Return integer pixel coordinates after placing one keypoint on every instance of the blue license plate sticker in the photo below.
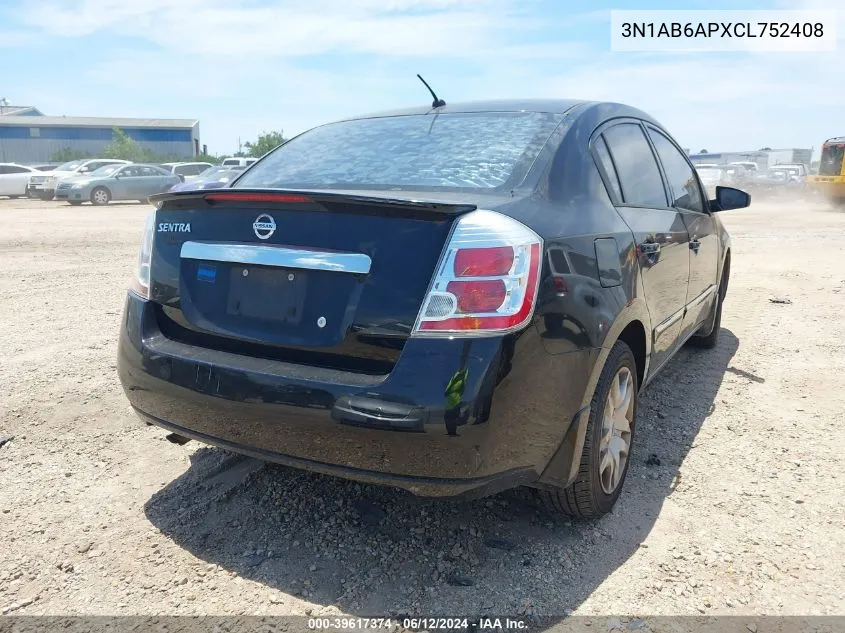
(207, 273)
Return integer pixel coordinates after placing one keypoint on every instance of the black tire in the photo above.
(585, 498)
(710, 339)
(13, 197)
(103, 200)
(75, 203)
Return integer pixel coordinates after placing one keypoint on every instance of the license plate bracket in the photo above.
(267, 293)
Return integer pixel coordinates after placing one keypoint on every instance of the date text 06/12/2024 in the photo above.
(420, 623)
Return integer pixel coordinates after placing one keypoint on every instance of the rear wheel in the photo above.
(607, 445)
(100, 196)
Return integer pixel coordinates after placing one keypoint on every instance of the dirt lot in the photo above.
(101, 515)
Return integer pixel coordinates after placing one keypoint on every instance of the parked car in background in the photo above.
(778, 182)
(186, 170)
(44, 166)
(235, 161)
(14, 179)
(712, 176)
(213, 178)
(116, 182)
(749, 165)
(44, 186)
(374, 300)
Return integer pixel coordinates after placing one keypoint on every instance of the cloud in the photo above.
(243, 67)
(290, 28)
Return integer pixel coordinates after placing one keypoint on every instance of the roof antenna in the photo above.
(437, 103)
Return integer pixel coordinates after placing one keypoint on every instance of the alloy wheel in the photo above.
(616, 430)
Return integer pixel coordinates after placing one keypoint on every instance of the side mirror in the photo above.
(181, 177)
(728, 198)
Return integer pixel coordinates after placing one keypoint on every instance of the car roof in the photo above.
(551, 106)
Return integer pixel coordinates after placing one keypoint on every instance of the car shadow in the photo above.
(373, 551)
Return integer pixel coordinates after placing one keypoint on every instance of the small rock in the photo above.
(5, 439)
(661, 415)
(751, 627)
(456, 580)
(254, 560)
(652, 460)
(83, 546)
(779, 300)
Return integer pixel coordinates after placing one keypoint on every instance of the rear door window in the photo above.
(639, 175)
(609, 169)
(682, 180)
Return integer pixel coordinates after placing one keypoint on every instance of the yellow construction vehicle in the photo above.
(830, 181)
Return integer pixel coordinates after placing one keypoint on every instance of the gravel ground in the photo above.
(732, 506)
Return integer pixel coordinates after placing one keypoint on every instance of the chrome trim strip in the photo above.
(668, 322)
(281, 256)
(702, 296)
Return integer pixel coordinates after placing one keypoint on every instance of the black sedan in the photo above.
(452, 300)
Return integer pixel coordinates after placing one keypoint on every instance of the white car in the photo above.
(234, 161)
(186, 170)
(711, 176)
(14, 179)
(44, 185)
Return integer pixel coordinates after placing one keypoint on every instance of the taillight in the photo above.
(487, 279)
(141, 281)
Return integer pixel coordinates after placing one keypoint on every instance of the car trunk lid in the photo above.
(321, 277)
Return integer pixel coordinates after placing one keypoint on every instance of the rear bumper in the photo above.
(521, 417)
(830, 186)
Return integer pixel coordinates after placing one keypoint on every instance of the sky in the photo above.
(243, 67)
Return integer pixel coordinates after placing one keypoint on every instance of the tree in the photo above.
(264, 143)
(124, 147)
(67, 154)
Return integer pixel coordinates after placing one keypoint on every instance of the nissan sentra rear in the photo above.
(360, 303)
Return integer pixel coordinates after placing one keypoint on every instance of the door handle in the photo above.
(649, 248)
(695, 245)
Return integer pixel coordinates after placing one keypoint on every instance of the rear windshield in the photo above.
(484, 150)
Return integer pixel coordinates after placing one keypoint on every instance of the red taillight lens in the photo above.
(233, 196)
(483, 262)
(478, 296)
(487, 282)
